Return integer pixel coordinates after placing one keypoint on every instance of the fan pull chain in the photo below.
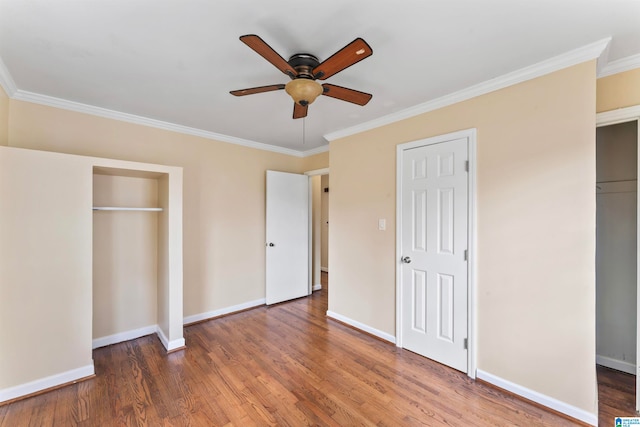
(304, 130)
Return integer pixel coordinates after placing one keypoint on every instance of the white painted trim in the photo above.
(169, 345)
(222, 311)
(325, 269)
(544, 400)
(137, 333)
(6, 81)
(310, 174)
(399, 294)
(472, 311)
(621, 115)
(472, 260)
(309, 233)
(620, 65)
(315, 172)
(12, 91)
(568, 59)
(321, 149)
(123, 336)
(603, 59)
(618, 365)
(375, 332)
(117, 208)
(64, 104)
(46, 383)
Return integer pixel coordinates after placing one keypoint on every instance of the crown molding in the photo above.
(64, 104)
(621, 115)
(594, 50)
(565, 60)
(620, 65)
(6, 81)
(314, 151)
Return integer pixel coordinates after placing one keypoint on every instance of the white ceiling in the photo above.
(176, 61)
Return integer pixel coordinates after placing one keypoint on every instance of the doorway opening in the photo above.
(617, 219)
(616, 242)
(319, 228)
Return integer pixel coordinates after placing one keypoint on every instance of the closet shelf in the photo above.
(117, 208)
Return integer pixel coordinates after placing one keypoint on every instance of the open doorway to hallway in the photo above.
(320, 230)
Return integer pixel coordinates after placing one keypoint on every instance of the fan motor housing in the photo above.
(304, 63)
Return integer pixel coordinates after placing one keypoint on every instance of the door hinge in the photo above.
(466, 165)
(466, 343)
(466, 255)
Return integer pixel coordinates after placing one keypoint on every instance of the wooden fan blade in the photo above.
(264, 50)
(299, 111)
(352, 53)
(346, 94)
(252, 90)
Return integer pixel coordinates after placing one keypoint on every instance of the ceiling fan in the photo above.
(304, 69)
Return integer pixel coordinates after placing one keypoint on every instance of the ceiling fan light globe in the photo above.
(303, 91)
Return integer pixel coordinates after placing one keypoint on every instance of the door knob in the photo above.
(406, 260)
(272, 244)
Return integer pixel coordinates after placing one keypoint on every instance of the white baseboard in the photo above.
(155, 329)
(46, 383)
(544, 400)
(76, 374)
(169, 345)
(317, 287)
(375, 332)
(223, 311)
(124, 336)
(618, 365)
(325, 269)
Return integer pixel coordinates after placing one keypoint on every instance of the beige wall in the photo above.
(224, 193)
(317, 161)
(618, 91)
(536, 229)
(45, 266)
(4, 117)
(46, 256)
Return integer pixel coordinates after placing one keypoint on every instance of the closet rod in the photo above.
(616, 180)
(113, 208)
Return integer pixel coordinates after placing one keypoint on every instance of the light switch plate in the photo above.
(382, 224)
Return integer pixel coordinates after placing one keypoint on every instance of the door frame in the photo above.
(470, 135)
(310, 174)
(614, 117)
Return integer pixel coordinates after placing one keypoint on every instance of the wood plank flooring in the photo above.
(616, 395)
(286, 365)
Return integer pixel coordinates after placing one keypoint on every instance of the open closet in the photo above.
(616, 243)
(125, 256)
(131, 289)
(82, 277)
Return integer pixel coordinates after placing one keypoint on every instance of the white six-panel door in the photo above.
(434, 236)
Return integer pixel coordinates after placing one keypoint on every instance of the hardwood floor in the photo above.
(286, 365)
(616, 395)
